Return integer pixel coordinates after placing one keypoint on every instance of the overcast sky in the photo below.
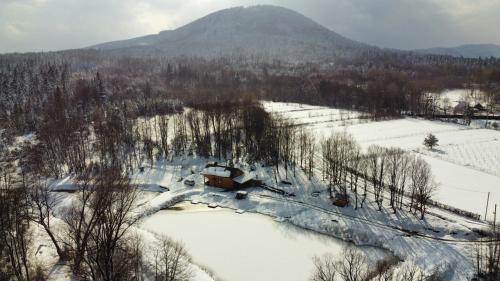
(43, 25)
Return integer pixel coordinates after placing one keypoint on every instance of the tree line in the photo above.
(99, 118)
(354, 266)
(383, 85)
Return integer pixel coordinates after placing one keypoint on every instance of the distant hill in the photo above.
(466, 51)
(267, 32)
(258, 30)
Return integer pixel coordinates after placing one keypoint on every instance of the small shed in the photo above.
(341, 200)
(240, 195)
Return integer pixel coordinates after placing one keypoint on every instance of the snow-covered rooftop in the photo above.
(244, 178)
(216, 171)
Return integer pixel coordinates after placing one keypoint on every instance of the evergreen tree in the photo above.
(431, 141)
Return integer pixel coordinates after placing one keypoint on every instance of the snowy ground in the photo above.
(277, 236)
(430, 243)
(466, 163)
(261, 248)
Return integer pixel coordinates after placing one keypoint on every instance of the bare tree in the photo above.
(487, 256)
(354, 171)
(311, 145)
(337, 151)
(363, 169)
(163, 128)
(395, 158)
(15, 237)
(43, 203)
(408, 272)
(172, 262)
(377, 167)
(325, 268)
(353, 266)
(135, 247)
(404, 172)
(107, 250)
(81, 218)
(423, 186)
(180, 138)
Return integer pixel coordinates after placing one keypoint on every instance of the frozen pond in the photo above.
(247, 246)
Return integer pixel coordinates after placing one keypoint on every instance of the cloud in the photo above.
(35, 25)
(407, 24)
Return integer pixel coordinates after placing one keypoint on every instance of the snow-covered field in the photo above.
(246, 246)
(466, 163)
(232, 245)
(319, 116)
(276, 236)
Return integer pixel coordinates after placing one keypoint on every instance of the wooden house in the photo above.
(226, 177)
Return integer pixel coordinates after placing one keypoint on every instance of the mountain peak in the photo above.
(264, 29)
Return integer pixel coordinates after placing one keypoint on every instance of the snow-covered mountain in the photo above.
(466, 51)
(258, 30)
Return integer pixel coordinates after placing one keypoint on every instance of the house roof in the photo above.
(216, 171)
(244, 178)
